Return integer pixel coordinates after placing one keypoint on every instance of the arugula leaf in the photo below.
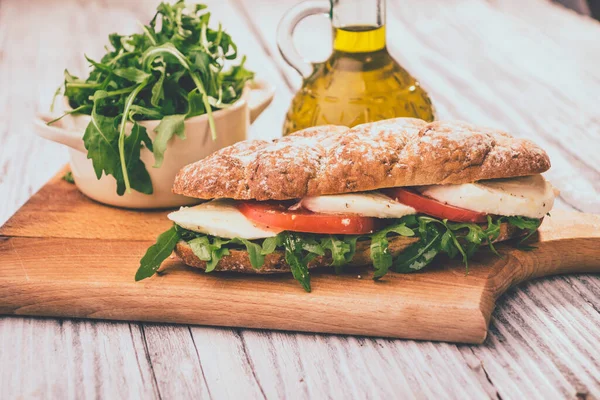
(101, 141)
(350, 241)
(294, 257)
(420, 254)
(168, 49)
(217, 251)
(311, 245)
(257, 259)
(174, 67)
(201, 248)
(157, 253)
(77, 110)
(492, 232)
(158, 91)
(68, 177)
(435, 237)
(380, 255)
(529, 224)
(447, 243)
(215, 257)
(211, 249)
(134, 166)
(342, 251)
(134, 111)
(131, 74)
(524, 222)
(270, 244)
(57, 93)
(168, 126)
(121, 143)
(195, 104)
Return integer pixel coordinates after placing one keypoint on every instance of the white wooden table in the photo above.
(527, 66)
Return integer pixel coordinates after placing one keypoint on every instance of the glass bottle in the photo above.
(360, 82)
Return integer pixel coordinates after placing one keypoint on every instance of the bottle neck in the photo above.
(358, 25)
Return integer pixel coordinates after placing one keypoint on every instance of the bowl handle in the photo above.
(57, 133)
(264, 96)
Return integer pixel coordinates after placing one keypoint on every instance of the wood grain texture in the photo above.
(50, 358)
(482, 60)
(88, 273)
(43, 358)
(469, 81)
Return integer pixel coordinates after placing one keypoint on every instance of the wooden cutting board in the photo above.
(64, 255)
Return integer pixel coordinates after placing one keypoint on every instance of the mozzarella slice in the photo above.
(528, 196)
(368, 204)
(220, 218)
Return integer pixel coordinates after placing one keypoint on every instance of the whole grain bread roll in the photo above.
(336, 159)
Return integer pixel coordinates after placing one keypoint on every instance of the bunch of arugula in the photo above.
(171, 71)
(435, 237)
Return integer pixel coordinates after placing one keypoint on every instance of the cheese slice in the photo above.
(367, 204)
(528, 196)
(220, 218)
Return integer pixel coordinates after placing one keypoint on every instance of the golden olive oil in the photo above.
(360, 82)
(359, 39)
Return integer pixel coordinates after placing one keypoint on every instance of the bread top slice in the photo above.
(335, 159)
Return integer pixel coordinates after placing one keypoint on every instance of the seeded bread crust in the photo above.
(238, 260)
(335, 159)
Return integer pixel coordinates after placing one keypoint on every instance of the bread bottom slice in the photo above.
(238, 260)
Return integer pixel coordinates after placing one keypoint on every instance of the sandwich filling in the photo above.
(455, 220)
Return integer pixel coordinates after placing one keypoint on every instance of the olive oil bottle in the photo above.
(360, 82)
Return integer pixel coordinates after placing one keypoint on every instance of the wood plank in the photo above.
(72, 359)
(59, 209)
(27, 162)
(263, 17)
(530, 344)
(358, 368)
(228, 368)
(175, 362)
(558, 24)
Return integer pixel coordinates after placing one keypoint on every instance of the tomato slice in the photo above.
(434, 208)
(277, 215)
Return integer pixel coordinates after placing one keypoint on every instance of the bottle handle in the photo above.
(285, 33)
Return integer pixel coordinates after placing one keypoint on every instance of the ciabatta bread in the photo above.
(335, 159)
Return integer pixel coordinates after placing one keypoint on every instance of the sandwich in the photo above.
(394, 194)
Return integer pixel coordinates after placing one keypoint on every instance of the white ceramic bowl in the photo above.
(231, 124)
